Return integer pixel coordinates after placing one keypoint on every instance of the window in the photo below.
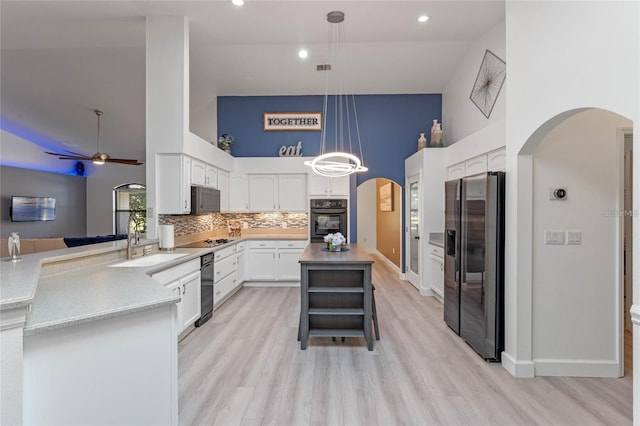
(130, 207)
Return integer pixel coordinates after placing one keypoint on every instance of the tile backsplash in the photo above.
(188, 224)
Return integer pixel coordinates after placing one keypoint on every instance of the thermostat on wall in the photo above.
(557, 193)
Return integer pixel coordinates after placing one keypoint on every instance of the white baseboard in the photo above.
(390, 263)
(426, 292)
(272, 283)
(437, 294)
(519, 369)
(576, 368)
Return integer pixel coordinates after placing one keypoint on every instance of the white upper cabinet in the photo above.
(497, 160)
(225, 190)
(198, 177)
(286, 192)
(475, 165)
(493, 161)
(262, 193)
(328, 186)
(210, 176)
(292, 193)
(238, 193)
(174, 178)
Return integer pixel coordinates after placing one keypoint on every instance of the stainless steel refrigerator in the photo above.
(474, 261)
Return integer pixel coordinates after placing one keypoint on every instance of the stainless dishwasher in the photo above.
(206, 289)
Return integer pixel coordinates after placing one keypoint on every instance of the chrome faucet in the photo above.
(133, 238)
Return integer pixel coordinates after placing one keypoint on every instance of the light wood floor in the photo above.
(245, 367)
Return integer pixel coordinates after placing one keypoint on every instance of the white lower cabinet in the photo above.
(190, 287)
(263, 264)
(275, 260)
(436, 255)
(241, 263)
(184, 280)
(288, 256)
(224, 272)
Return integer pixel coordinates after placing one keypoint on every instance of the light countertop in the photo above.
(76, 285)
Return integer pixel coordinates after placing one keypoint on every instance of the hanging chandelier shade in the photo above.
(338, 156)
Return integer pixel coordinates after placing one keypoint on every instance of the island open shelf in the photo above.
(335, 293)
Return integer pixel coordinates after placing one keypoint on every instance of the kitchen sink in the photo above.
(154, 259)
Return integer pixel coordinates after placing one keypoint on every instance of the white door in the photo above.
(413, 227)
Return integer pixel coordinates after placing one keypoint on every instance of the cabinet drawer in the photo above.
(223, 288)
(225, 252)
(292, 244)
(177, 272)
(258, 244)
(224, 267)
(240, 246)
(436, 251)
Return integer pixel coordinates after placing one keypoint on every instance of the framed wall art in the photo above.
(489, 81)
(386, 197)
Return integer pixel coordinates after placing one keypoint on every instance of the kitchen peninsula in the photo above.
(335, 293)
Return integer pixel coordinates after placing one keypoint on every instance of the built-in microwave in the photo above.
(204, 200)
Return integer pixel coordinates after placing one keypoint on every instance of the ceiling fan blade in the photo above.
(126, 161)
(68, 156)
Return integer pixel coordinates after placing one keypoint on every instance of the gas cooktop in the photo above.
(207, 243)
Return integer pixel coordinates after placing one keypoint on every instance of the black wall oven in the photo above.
(327, 217)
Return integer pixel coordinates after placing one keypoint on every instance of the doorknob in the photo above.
(417, 237)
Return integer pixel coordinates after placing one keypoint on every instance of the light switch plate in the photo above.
(574, 237)
(553, 237)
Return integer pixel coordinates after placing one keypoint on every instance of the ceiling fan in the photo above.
(98, 158)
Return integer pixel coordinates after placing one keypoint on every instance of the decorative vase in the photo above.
(436, 134)
(335, 247)
(226, 148)
(14, 246)
(422, 142)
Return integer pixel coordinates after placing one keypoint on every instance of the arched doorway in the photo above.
(130, 206)
(380, 219)
(575, 243)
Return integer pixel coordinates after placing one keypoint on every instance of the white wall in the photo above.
(460, 116)
(576, 287)
(366, 204)
(562, 56)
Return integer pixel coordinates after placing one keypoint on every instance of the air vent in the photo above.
(323, 67)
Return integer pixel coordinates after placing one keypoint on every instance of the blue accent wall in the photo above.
(389, 129)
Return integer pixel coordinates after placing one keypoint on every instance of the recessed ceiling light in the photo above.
(423, 18)
(303, 53)
(238, 2)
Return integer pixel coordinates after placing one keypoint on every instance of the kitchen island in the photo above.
(335, 293)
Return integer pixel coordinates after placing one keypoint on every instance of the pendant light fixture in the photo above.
(337, 157)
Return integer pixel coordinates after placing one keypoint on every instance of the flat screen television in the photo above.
(32, 209)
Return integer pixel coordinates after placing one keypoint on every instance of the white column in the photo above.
(11, 361)
(167, 97)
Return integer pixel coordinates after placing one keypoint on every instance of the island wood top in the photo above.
(313, 253)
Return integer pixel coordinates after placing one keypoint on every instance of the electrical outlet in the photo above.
(393, 250)
(284, 225)
(574, 237)
(554, 237)
(245, 225)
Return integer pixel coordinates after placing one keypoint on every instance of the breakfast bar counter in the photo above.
(335, 293)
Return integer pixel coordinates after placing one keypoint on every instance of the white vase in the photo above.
(436, 134)
(422, 142)
(14, 245)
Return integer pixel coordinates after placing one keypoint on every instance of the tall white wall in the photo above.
(460, 117)
(576, 288)
(366, 199)
(562, 56)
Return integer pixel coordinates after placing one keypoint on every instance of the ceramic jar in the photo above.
(422, 142)
(436, 134)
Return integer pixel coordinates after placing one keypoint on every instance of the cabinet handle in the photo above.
(274, 255)
(218, 292)
(183, 288)
(185, 204)
(218, 273)
(246, 206)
